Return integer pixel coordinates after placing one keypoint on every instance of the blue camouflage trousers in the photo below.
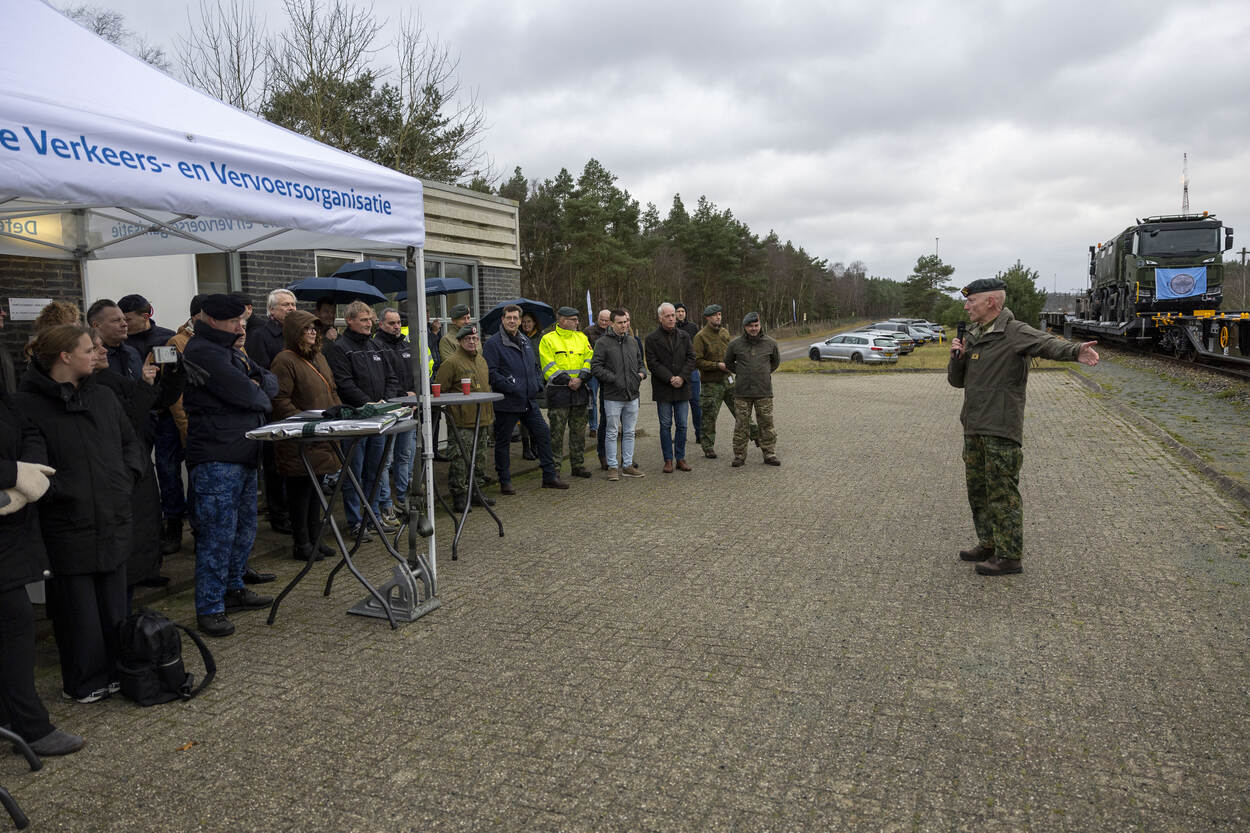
(225, 513)
(992, 469)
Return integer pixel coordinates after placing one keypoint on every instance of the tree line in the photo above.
(322, 73)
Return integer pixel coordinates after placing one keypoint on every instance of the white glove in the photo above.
(32, 479)
(15, 501)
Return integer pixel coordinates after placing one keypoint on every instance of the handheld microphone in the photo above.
(959, 333)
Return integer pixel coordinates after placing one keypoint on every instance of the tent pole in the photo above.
(416, 320)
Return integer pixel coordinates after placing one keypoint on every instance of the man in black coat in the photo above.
(362, 374)
(139, 400)
(143, 334)
(227, 396)
(107, 319)
(696, 412)
(670, 360)
(263, 343)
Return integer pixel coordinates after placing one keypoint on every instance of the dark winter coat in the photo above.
(361, 370)
(305, 383)
(234, 399)
(138, 399)
(669, 353)
(513, 364)
(22, 557)
(264, 342)
(617, 364)
(153, 336)
(398, 351)
(86, 514)
(125, 360)
(752, 361)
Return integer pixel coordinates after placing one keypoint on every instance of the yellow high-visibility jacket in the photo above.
(564, 352)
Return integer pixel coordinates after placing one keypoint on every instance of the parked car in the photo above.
(898, 327)
(856, 348)
(906, 343)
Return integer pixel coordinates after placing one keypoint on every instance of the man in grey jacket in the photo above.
(617, 364)
(753, 357)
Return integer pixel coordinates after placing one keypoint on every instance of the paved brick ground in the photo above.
(741, 649)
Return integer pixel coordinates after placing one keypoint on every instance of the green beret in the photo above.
(567, 312)
(750, 318)
(466, 330)
(711, 309)
(458, 310)
(983, 285)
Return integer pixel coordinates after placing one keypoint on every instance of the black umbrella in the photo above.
(440, 286)
(543, 314)
(338, 290)
(387, 275)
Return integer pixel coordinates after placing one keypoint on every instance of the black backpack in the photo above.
(149, 664)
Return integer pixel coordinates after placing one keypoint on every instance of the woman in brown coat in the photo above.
(305, 383)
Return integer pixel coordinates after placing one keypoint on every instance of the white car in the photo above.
(866, 348)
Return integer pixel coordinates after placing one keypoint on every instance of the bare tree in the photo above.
(111, 26)
(319, 70)
(226, 53)
(438, 125)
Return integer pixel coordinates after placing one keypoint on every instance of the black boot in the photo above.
(527, 447)
(171, 536)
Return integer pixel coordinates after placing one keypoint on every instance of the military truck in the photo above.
(1162, 264)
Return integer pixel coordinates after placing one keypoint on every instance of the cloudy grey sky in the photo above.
(865, 130)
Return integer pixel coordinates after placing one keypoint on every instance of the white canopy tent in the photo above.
(102, 155)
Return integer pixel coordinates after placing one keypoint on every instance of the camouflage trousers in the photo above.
(992, 469)
(763, 406)
(711, 395)
(575, 419)
(458, 468)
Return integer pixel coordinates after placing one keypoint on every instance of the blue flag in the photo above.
(1180, 283)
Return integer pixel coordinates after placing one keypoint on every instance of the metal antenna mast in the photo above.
(1185, 184)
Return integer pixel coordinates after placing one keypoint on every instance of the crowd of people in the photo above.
(102, 418)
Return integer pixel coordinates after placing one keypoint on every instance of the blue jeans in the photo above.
(225, 513)
(621, 418)
(696, 410)
(366, 463)
(399, 469)
(169, 458)
(593, 405)
(670, 412)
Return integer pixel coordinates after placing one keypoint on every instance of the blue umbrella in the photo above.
(440, 286)
(338, 290)
(543, 314)
(387, 275)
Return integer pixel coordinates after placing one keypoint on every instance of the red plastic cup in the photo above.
(465, 385)
(436, 389)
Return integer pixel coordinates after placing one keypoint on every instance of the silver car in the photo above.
(856, 348)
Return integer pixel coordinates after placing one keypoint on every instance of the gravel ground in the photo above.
(1204, 411)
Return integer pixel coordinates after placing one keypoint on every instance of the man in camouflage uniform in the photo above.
(753, 356)
(991, 364)
(710, 344)
(466, 362)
